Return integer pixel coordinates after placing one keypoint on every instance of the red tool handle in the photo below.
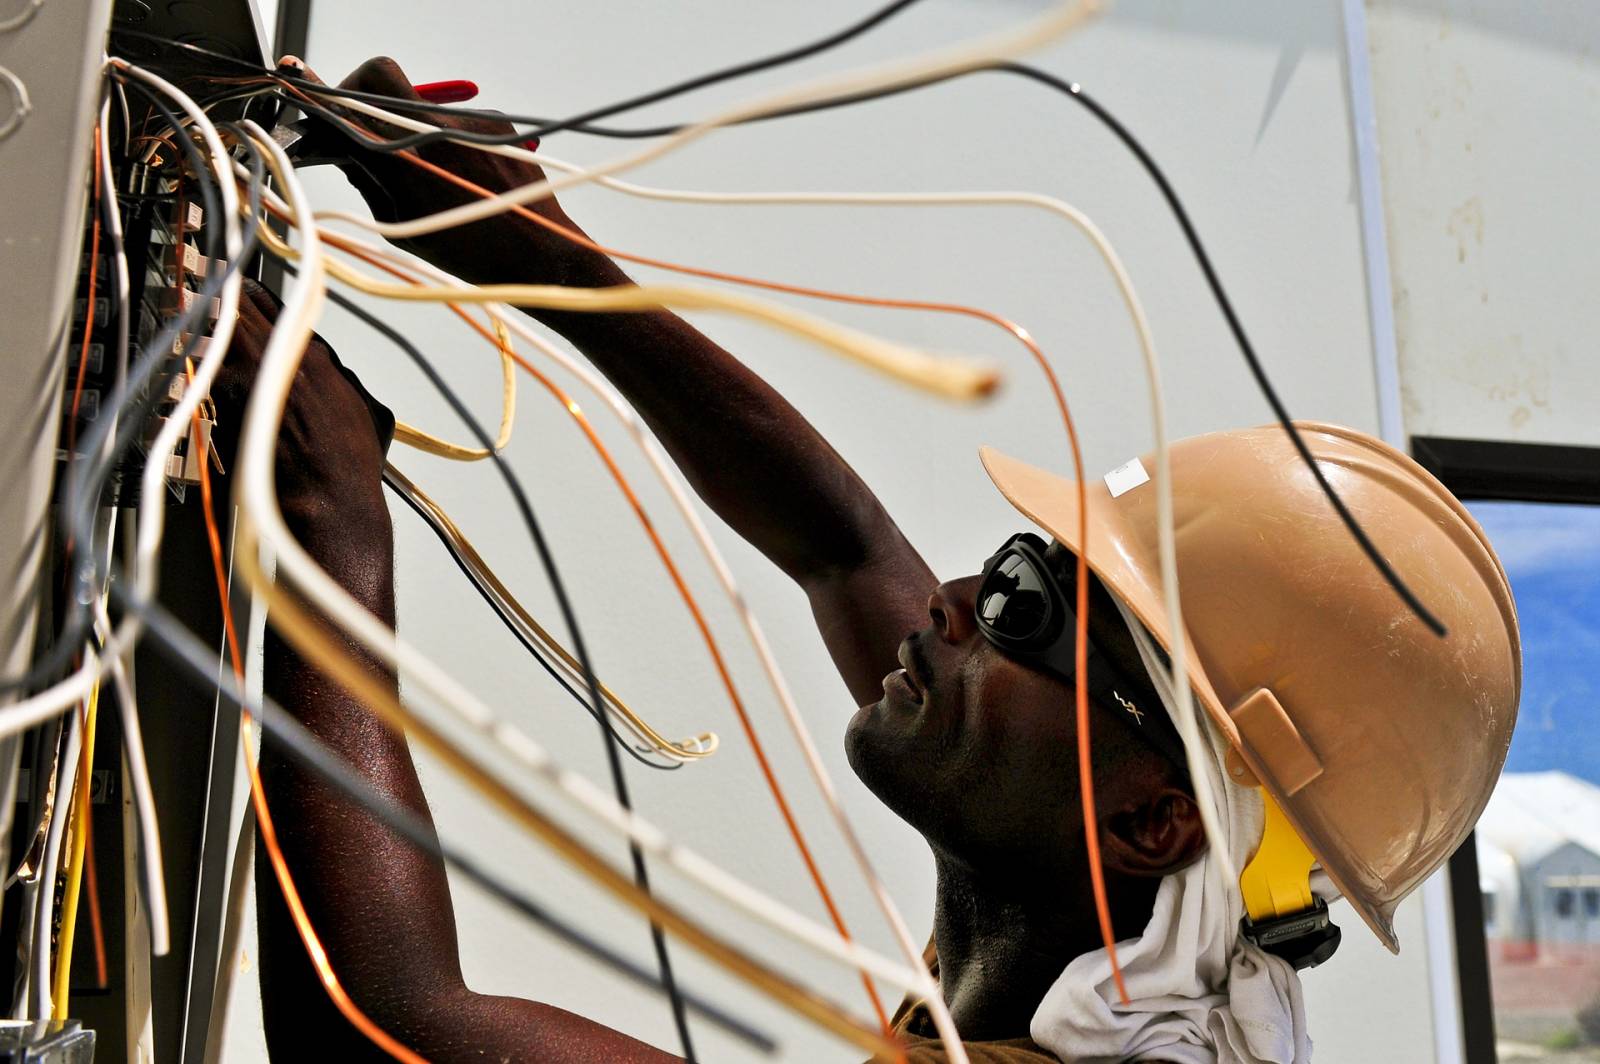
(455, 91)
(458, 90)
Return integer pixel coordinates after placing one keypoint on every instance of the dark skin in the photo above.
(975, 750)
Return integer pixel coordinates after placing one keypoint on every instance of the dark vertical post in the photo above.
(1472, 955)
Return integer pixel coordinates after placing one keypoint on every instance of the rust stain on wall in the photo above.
(1466, 225)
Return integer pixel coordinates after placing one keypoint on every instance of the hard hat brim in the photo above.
(1126, 561)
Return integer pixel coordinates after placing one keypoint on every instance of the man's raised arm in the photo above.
(755, 460)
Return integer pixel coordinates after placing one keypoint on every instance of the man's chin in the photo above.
(867, 747)
(881, 744)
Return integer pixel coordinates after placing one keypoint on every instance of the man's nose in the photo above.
(952, 607)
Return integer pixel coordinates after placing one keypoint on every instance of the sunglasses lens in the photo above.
(1012, 601)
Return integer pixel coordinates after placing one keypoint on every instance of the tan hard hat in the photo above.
(1380, 740)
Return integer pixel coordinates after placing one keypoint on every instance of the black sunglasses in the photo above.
(1026, 614)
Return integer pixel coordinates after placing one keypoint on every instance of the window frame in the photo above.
(1495, 471)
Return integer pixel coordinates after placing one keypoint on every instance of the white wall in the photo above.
(1245, 104)
(1486, 115)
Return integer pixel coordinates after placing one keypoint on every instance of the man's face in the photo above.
(974, 749)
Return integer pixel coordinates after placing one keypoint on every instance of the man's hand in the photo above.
(329, 462)
(505, 248)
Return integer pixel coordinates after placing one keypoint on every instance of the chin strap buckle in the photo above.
(1305, 939)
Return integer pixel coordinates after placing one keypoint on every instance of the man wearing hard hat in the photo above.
(1346, 751)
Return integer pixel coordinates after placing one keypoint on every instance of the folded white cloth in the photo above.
(1199, 992)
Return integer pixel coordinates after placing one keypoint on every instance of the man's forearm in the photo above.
(747, 451)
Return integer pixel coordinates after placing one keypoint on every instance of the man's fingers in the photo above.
(498, 124)
(381, 75)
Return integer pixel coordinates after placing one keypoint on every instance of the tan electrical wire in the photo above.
(427, 442)
(791, 822)
(314, 640)
(688, 749)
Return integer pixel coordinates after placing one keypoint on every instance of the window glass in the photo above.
(1538, 844)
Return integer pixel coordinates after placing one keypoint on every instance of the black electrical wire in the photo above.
(1071, 89)
(128, 407)
(58, 655)
(299, 744)
(533, 650)
(739, 70)
(700, 81)
(619, 781)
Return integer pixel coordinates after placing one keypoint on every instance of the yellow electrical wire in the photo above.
(81, 811)
(431, 444)
(702, 745)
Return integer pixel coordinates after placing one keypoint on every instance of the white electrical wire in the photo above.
(1007, 44)
(38, 1001)
(52, 702)
(179, 422)
(49, 704)
(1188, 722)
(152, 518)
(1168, 556)
(112, 212)
(240, 880)
(261, 519)
(151, 866)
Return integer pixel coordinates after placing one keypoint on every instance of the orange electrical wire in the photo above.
(91, 887)
(258, 795)
(684, 593)
(72, 448)
(88, 318)
(1081, 692)
(1081, 689)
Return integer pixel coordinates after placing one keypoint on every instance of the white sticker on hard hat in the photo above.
(1126, 477)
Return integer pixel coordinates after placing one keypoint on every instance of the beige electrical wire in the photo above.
(951, 376)
(700, 746)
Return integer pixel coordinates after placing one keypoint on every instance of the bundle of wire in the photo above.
(247, 445)
(259, 523)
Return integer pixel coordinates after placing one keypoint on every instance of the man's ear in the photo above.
(1159, 835)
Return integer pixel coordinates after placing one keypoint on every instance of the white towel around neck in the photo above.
(1199, 993)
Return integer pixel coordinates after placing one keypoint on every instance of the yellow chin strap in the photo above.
(1282, 916)
(1277, 881)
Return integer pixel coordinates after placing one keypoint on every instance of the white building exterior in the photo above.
(1539, 860)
